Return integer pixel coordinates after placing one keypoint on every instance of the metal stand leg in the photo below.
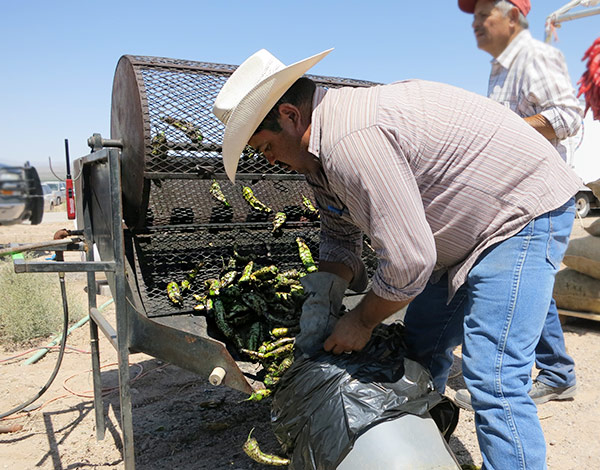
(121, 310)
(98, 405)
(126, 409)
(94, 339)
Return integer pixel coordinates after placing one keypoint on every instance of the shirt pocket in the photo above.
(334, 207)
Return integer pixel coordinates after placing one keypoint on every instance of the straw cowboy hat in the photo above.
(248, 96)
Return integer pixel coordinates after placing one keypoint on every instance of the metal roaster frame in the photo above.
(114, 268)
(100, 209)
(118, 189)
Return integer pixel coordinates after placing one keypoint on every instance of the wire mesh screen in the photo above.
(185, 201)
(190, 213)
(170, 255)
(183, 129)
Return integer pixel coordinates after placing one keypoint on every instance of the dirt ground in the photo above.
(183, 422)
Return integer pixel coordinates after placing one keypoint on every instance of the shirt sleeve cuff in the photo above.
(389, 292)
(563, 124)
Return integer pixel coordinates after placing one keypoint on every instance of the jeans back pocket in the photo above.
(561, 224)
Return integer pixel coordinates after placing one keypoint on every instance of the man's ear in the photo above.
(513, 14)
(289, 111)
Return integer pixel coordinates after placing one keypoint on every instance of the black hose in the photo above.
(61, 352)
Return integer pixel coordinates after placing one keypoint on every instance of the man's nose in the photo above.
(270, 158)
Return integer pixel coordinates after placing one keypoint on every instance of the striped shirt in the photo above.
(531, 77)
(432, 174)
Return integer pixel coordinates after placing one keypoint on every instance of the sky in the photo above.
(59, 57)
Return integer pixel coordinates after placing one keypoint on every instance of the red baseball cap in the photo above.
(468, 6)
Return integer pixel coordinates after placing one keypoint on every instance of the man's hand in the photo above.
(353, 331)
(542, 125)
(349, 334)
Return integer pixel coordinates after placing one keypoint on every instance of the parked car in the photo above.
(20, 195)
(51, 197)
(59, 188)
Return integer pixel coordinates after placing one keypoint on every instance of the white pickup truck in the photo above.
(584, 158)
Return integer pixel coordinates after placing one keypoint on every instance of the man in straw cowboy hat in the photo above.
(531, 78)
(467, 207)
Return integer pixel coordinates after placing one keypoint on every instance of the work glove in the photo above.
(321, 309)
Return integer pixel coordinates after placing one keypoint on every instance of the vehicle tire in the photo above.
(51, 206)
(35, 200)
(582, 204)
(58, 201)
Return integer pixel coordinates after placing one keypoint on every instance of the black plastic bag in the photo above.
(325, 402)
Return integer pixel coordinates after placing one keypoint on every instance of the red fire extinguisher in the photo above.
(69, 186)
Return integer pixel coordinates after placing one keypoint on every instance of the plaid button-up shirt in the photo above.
(531, 77)
(433, 174)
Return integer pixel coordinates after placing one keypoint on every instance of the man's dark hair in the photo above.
(299, 94)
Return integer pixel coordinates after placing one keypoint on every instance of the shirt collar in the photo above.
(314, 143)
(509, 54)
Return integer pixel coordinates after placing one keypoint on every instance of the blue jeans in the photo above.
(498, 315)
(557, 368)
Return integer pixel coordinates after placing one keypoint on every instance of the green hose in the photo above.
(42, 352)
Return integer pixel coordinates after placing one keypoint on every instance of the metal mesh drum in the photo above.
(162, 111)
